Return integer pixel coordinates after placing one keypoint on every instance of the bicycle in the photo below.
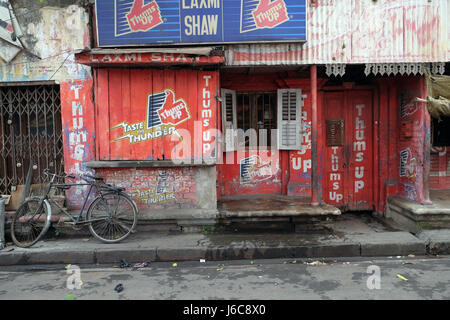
(106, 223)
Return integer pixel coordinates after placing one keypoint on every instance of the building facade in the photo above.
(188, 104)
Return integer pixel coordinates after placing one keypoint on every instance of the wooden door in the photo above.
(348, 163)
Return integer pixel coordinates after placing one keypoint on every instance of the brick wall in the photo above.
(155, 188)
(440, 168)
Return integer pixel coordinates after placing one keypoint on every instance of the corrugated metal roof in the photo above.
(360, 31)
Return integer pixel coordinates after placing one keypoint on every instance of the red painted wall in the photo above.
(414, 141)
(77, 113)
(388, 140)
(440, 168)
(290, 169)
(121, 95)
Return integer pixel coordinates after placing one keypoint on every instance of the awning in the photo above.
(149, 56)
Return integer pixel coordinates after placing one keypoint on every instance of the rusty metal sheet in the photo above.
(360, 31)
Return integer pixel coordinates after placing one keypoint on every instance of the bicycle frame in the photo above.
(103, 214)
(77, 220)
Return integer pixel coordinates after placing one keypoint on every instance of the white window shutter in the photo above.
(229, 122)
(290, 103)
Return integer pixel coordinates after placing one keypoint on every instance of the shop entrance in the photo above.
(30, 134)
(348, 164)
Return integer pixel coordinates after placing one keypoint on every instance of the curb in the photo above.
(437, 241)
(220, 253)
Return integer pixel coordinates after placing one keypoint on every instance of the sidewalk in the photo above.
(348, 235)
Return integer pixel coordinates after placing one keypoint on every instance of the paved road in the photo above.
(427, 278)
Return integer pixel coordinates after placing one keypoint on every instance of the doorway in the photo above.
(30, 134)
(348, 162)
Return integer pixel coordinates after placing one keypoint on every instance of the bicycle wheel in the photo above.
(114, 215)
(30, 222)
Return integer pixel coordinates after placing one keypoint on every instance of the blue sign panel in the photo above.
(147, 22)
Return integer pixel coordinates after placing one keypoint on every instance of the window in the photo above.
(440, 132)
(257, 111)
(250, 119)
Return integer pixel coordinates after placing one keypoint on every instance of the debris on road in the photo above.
(315, 263)
(140, 265)
(402, 277)
(118, 288)
(202, 260)
(174, 264)
(70, 297)
(124, 264)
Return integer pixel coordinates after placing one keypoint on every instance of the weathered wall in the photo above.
(77, 113)
(166, 188)
(153, 114)
(440, 168)
(414, 141)
(398, 126)
(52, 30)
(287, 171)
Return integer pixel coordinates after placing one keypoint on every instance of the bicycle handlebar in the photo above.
(64, 175)
(85, 177)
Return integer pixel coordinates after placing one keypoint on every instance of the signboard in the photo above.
(147, 22)
(164, 113)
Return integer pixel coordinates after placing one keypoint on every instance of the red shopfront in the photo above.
(155, 130)
(362, 132)
(282, 101)
(167, 132)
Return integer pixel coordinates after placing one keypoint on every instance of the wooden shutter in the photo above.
(229, 123)
(290, 102)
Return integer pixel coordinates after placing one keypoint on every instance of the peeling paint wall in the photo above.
(53, 30)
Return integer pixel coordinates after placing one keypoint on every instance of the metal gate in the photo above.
(30, 133)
